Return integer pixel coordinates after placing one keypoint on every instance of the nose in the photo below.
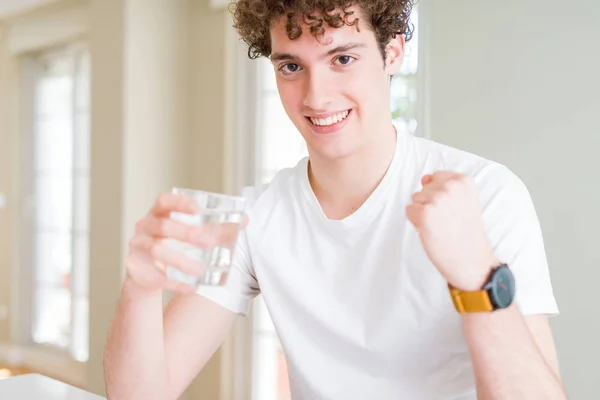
(318, 91)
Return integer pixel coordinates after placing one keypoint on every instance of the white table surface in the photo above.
(35, 386)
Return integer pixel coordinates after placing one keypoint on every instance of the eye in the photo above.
(345, 60)
(290, 68)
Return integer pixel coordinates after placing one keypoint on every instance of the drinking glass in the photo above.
(220, 214)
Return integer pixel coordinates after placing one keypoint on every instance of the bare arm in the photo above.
(150, 354)
(513, 356)
(130, 370)
(194, 328)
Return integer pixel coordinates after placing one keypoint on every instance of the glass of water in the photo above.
(221, 215)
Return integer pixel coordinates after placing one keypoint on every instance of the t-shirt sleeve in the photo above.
(514, 230)
(241, 286)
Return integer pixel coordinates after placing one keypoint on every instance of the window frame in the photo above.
(47, 358)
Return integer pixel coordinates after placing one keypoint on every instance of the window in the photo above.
(404, 85)
(60, 174)
(279, 145)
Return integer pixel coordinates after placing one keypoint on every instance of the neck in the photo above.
(343, 185)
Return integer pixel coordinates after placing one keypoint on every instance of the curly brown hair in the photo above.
(253, 19)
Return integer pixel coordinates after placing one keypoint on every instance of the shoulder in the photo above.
(444, 157)
(283, 185)
(488, 174)
(272, 204)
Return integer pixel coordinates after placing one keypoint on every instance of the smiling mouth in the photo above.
(331, 120)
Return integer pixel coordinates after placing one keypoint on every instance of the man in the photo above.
(387, 262)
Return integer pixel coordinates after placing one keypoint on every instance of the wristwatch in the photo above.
(497, 293)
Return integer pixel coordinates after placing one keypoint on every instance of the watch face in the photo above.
(503, 287)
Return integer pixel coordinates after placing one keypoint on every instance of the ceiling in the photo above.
(9, 8)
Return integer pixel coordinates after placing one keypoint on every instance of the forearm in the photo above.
(134, 363)
(506, 360)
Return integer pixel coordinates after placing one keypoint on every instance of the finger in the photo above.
(219, 234)
(443, 174)
(182, 288)
(222, 234)
(153, 274)
(415, 214)
(426, 196)
(167, 228)
(159, 252)
(245, 221)
(421, 198)
(144, 269)
(426, 179)
(441, 177)
(170, 202)
(206, 235)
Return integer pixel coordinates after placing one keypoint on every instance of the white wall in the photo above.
(159, 111)
(22, 35)
(156, 83)
(7, 148)
(161, 116)
(517, 81)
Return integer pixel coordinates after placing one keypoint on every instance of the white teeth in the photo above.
(330, 120)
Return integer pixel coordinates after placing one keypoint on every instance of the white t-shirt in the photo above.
(360, 310)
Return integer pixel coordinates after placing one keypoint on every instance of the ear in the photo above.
(394, 55)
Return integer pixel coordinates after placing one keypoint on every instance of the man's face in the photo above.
(335, 89)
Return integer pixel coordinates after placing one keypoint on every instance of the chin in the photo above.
(333, 151)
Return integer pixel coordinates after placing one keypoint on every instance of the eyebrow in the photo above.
(336, 50)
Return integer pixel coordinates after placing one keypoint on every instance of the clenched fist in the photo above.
(448, 216)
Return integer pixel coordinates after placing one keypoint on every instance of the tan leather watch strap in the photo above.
(470, 302)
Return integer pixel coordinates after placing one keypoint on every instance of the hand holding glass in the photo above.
(220, 217)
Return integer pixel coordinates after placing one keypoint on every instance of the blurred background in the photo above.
(106, 103)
